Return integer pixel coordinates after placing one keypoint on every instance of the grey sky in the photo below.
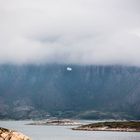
(70, 31)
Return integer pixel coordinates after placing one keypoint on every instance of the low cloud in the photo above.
(67, 31)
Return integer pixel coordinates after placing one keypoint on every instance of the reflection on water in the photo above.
(65, 133)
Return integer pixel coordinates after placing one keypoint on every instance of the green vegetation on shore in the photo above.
(130, 126)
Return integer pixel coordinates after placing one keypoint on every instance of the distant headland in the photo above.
(126, 126)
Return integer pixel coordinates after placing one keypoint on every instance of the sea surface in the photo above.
(65, 133)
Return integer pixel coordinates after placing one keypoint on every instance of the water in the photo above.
(65, 133)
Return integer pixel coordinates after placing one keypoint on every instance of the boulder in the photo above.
(6, 134)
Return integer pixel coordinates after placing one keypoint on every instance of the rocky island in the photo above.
(111, 126)
(6, 134)
(61, 122)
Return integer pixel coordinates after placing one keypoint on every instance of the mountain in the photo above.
(69, 91)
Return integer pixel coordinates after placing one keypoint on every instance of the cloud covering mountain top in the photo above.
(70, 31)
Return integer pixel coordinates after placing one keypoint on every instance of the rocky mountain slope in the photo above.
(88, 92)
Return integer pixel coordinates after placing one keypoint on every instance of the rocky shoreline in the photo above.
(6, 134)
(60, 122)
(111, 126)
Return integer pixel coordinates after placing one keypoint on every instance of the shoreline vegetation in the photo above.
(122, 126)
(6, 134)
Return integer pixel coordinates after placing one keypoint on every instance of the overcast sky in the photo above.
(70, 31)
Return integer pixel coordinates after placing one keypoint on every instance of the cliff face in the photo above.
(6, 134)
(78, 91)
